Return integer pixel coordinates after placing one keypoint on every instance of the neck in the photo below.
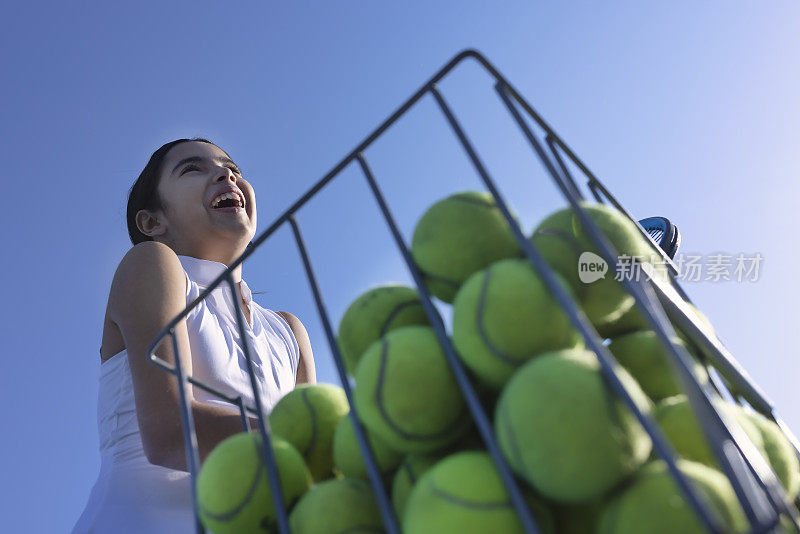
(205, 251)
(227, 261)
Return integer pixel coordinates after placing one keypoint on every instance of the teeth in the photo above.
(223, 196)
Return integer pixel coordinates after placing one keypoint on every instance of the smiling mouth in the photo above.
(229, 209)
(228, 199)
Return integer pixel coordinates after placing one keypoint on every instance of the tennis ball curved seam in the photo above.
(465, 503)
(571, 241)
(406, 466)
(473, 200)
(515, 453)
(385, 327)
(226, 516)
(313, 438)
(500, 355)
(453, 427)
(437, 278)
(616, 407)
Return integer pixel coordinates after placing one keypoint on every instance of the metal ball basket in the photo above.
(662, 303)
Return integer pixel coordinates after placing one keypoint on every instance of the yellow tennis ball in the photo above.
(373, 315)
(646, 358)
(307, 417)
(679, 424)
(407, 475)
(457, 236)
(347, 455)
(677, 420)
(630, 321)
(234, 495)
(338, 506)
(503, 316)
(407, 394)
(564, 431)
(653, 503)
(464, 494)
(567, 247)
(633, 321)
(779, 453)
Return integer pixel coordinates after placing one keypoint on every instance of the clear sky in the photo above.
(684, 109)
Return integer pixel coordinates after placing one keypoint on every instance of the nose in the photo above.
(226, 174)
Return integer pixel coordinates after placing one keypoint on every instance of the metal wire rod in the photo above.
(189, 433)
(608, 364)
(743, 465)
(273, 475)
(754, 460)
(470, 397)
(711, 422)
(243, 413)
(166, 366)
(384, 504)
(565, 179)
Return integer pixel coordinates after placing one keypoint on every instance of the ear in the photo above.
(149, 224)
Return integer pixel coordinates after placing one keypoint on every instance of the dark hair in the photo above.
(143, 194)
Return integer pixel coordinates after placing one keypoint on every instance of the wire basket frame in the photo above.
(662, 303)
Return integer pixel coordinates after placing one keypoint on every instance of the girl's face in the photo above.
(193, 174)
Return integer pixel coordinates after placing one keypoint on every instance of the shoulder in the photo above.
(299, 331)
(148, 256)
(306, 368)
(293, 322)
(287, 316)
(148, 272)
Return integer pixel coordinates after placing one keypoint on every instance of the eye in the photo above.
(235, 169)
(189, 168)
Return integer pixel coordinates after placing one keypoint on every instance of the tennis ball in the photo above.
(677, 420)
(703, 319)
(630, 321)
(653, 503)
(643, 355)
(679, 424)
(562, 240)
(503, 316)
(633, 321)
(410, 470)
(406, 392)
(233, 490)
(307, 417)
(779, 452)
(347, 454)
(338, 506)
(565, 432)
(372, 315)
(457, 236)
(464, 494)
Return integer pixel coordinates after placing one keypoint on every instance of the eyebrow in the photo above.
(197, 159)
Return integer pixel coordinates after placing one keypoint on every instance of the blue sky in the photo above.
(685, 109)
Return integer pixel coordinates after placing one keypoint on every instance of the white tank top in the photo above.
(133, 495)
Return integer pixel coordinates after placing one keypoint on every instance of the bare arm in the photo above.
(148, 291)
(306, 370)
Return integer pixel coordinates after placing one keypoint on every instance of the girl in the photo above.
(190, 214)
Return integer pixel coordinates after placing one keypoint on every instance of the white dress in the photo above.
(131, 495)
